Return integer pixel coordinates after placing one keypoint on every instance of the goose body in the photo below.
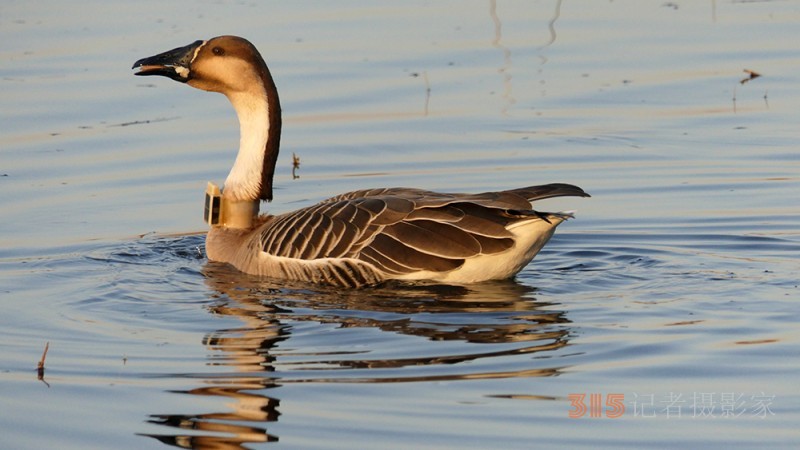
(358, 238)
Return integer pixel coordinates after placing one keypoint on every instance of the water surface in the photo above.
(676, 286)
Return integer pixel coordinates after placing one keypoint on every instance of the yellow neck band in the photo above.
(223, 212)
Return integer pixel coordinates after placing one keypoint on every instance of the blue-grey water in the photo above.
(673, 294)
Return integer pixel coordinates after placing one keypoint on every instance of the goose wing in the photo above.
(403, 230)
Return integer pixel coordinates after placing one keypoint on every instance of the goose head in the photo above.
(232, 66)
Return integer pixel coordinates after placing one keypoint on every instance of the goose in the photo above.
(359, 238)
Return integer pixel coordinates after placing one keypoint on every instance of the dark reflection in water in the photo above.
(501, 320)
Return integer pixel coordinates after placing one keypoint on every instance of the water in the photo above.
(676, 286)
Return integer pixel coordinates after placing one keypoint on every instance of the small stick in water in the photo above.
(295, 166)
(752, 76)
(40, 366)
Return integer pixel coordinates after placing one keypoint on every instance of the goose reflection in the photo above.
(498, 327)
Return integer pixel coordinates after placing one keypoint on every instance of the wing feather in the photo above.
(441, 214)
(412, 258)
(402, 230)
(395, 209)
(533, 193)
(434, 238)
(383, 262)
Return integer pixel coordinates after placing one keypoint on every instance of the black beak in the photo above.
(175, 64)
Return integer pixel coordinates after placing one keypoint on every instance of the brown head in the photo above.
(230, 65)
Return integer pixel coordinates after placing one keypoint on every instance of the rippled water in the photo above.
(676, 286)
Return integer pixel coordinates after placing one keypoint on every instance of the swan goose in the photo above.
(355, 239)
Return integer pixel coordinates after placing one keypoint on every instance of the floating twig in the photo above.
(751, 75)
(295, 166)
(40, 366)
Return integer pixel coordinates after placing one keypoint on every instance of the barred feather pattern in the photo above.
(364, 237)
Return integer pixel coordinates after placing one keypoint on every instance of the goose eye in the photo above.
(218, 51)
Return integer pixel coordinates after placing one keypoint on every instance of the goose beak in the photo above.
(175, 63)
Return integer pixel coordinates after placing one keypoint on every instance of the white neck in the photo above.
(244, 179)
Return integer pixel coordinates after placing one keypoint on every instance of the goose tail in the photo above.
(533, 193)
